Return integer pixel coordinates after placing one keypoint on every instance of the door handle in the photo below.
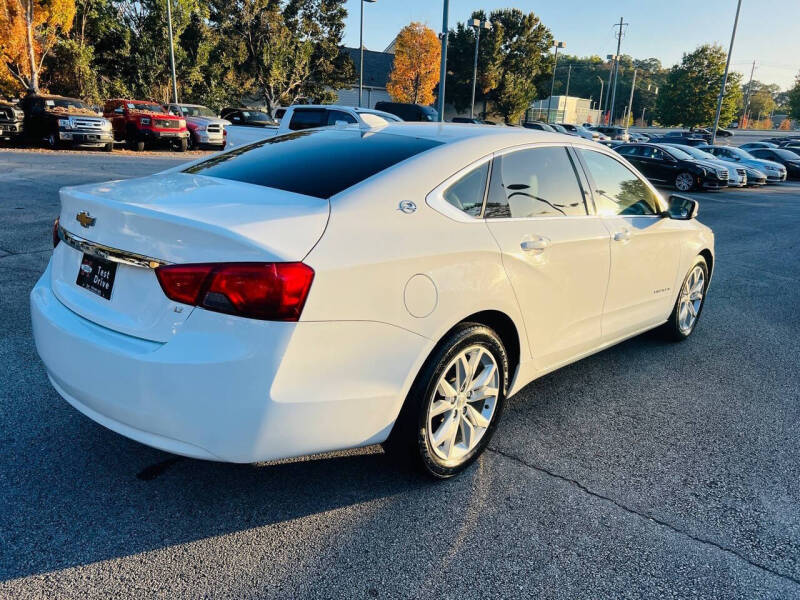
(536, 245)
(622, 236)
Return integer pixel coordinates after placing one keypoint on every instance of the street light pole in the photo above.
(477, 25)
(630, 102)
(361, 50)
(172, 52)
(600, 102)
(553, 81)
(443, 68)
(725, 76)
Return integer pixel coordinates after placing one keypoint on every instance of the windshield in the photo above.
(376, 120)
(740, 153)
(785, 154)
(697, 153)
(196, 111)
(252, 116)
(145, 106)
(69, 105)
(678, 153)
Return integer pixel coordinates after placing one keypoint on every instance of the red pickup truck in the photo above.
(141, 123)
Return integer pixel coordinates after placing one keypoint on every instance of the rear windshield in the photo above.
(319, 163)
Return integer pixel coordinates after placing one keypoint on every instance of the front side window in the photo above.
(536, 182)
(617, 189)
(466, 194)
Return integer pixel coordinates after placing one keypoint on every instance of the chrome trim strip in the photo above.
(108, 253)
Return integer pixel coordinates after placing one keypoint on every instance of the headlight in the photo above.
(182, 124)
(145, 120)
(63, 123)
(201, 128)
(105, 125)
(19, 114)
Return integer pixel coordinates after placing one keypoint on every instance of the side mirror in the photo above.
(681, 208)
(119, 110)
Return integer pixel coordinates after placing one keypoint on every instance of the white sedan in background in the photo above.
(341, 287)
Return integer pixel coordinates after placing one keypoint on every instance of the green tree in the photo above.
(512, 55)
(285, 51)
(793, 100)
(689, 96)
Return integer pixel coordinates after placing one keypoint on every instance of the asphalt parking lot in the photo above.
(649, 470)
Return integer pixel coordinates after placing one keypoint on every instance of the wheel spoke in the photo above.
(485, 378)
(472, 366)
(446, 432)
(468, 434)
(483, 394)
(475, 417)
(439, 407)
(692, 311)
(446, 389)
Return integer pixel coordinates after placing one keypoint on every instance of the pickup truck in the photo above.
(11, 118)
(205, 129)
(59, 121)
(141, 123)
(308, 116)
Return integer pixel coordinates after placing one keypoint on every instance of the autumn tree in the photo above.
(690, 93)
(416, 65)
(29, 29)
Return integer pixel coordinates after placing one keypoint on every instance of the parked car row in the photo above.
(687, 167)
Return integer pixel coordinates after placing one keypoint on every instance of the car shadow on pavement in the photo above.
(116, 498)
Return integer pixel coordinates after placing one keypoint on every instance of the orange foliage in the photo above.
(785, 125)
(416, 65)
(46, 19)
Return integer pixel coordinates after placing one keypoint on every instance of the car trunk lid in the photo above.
(171, 218)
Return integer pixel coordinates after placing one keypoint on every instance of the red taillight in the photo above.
(267, 291)
(56, 237)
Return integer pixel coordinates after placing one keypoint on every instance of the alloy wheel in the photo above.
(691, 299)
(684, 182)
(463, 404)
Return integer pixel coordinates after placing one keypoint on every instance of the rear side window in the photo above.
(537, 182)
(308, 118)
(466, 194)
(319, 163)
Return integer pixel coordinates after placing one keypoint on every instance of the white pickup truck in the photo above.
(308, 116)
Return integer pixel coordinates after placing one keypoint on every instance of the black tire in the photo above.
(138, 145)
(672, 329)
(181, 145)
(52, 142)
(408, 443)
(109, 147)
(680, 186)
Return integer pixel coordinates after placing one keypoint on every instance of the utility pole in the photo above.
(749, 91)
(172, 52)
(619, 35)
(553, 81)
(361, 50)
(725, 76)
(610, 73)
(643, 125)
(630, 102)
(443, 67)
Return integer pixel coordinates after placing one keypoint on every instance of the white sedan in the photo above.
(339, 287)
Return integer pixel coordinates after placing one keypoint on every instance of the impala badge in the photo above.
(85, 219)
(407, 206)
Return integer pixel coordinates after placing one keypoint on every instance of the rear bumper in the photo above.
(231, 389)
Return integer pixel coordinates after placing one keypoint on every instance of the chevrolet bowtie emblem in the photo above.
(85, 219)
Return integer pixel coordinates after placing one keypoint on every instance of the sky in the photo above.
(769, 30)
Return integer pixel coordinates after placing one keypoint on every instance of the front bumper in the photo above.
(158, 135)
(776, 178)
(712, 183)
(231, 389)
(86, 138)
(10, 131)
(210, 138)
